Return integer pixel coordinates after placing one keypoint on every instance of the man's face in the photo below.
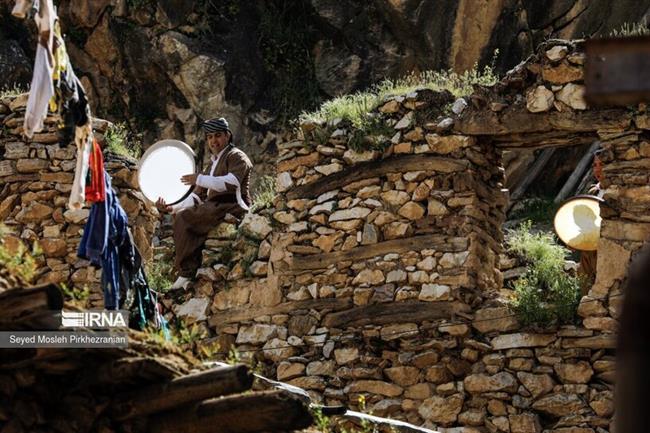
(217, 141)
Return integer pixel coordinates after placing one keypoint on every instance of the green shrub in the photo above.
(545, 295)
(21, 264)
(264, 193)
(75, 294)
(159, 275)
(536, 209)
(285, 43)
(139, 4)
(116, 138)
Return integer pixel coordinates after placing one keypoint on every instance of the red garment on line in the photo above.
(95, 189)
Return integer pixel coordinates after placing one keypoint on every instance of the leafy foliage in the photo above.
(159, 275)
(536, 209)
(75, 294)
(264, 193)
(285, 44)
(545, 295)
(19, 263)
(117, 141)
(139, 4)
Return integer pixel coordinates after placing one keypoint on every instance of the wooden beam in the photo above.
(583, 185)
(129, 370)
(365, 170)
(25, 305)
(570, 185)
(235, 315)
(183, 390)
(514, 120)
(269, 411)
(415, 243)
(534, 171)
(397, 312)
(544, 140)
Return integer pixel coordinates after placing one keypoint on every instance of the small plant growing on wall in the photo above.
(18, 262)
(545, 295)
(117, 141)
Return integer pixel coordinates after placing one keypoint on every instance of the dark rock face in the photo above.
(15, 67)
(150, 60)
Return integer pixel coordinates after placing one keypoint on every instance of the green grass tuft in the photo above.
(356, 107)
(264, 193)
(116, 138)
(159, 275)
(21, 263)
(11, 92)
(631, 29)
(545, 295)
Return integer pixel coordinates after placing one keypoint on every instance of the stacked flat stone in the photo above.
(234, 272)
(368, 235)
(380, 271)
(386, 263)
(35, 182)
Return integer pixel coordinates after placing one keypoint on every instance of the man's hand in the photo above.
(162, 206)
(189, 179)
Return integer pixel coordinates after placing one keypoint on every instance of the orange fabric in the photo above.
(95, 188)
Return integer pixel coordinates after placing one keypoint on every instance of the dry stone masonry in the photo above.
(384, 274)
(35, 182)
(378, 273)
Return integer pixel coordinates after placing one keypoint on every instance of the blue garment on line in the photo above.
(104, 234)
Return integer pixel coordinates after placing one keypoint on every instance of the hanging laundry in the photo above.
(95, 189)
(105, 232)
(108, 243)
(41, 88)
(69, 99)
(22, 8)
(138, 298)
(84, 141)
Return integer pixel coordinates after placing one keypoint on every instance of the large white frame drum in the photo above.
(577, 222)
(160, 170)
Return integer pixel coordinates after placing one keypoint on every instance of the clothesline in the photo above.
(107, 241)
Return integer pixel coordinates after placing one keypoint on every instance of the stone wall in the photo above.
(35, 182)
(386, 269)
(381, 257)
(554, 113)
(378, 272)
(234, 272)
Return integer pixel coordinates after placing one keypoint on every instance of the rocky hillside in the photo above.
(164, 64)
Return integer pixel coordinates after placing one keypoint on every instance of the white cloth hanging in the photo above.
(41, 90)
(83, 138)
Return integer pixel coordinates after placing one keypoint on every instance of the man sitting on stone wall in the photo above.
(222, 189)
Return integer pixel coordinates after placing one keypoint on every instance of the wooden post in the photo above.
(268, 411)
(570, 185)
(185, 389)
(537, 167)
(26, 307)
